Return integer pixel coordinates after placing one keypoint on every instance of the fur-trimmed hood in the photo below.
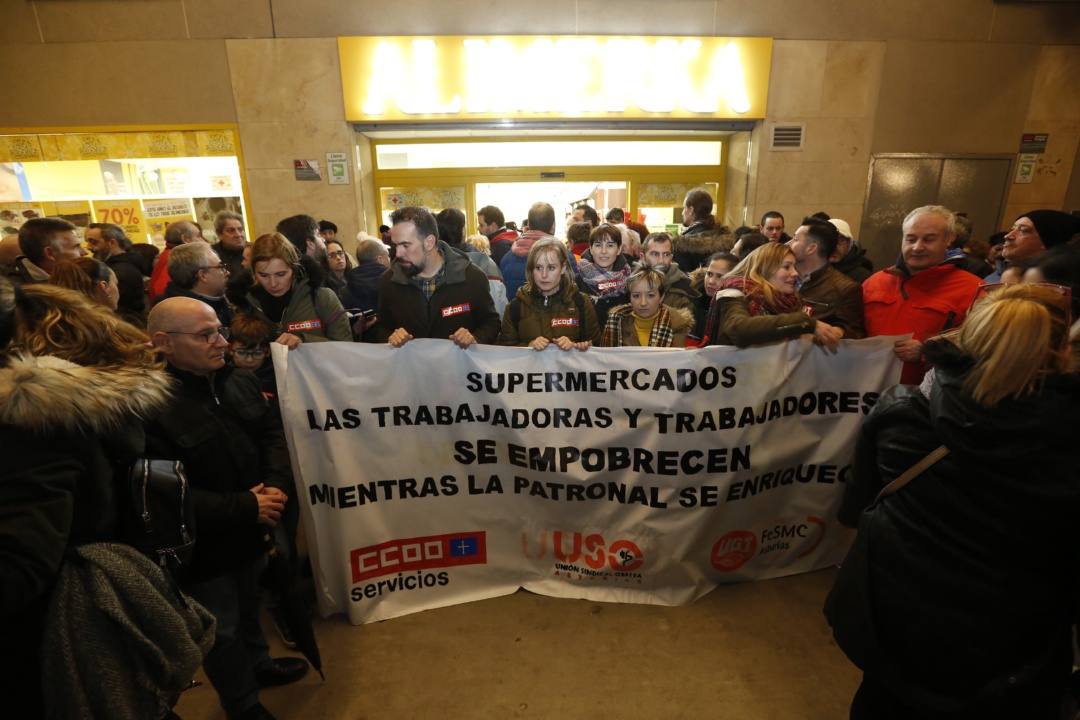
(705, 241)
(47, 394)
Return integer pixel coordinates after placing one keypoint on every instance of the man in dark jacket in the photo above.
(233, 447)
(833, 297)
(432, 291)
(658, 252)
(362, 282)
(491, 223)
(702, 236)
(197, 272)
(110, 245)
(229, 227)
(850, 257)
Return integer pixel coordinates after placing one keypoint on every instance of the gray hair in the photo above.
(221, 217)
(940, 210)
(185, 262)
(177, 232)
(369, 250)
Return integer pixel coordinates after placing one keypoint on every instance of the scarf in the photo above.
(757, 300)
(600, 282)
(662, 334)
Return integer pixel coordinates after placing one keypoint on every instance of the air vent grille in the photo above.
(788, 136)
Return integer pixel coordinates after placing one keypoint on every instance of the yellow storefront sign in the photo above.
(125, 213)
(159, 213)
(526, 77)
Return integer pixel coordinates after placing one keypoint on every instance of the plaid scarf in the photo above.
(661, 335)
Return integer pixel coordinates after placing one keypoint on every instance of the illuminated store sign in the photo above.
(518, 77)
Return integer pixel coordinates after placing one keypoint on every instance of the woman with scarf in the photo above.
(548, 308)
(758, 303)
(603, 270)
(646, 321)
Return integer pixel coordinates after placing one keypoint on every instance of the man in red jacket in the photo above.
(490, 221)
(923, 294)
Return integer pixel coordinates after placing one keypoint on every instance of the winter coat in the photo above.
(698, 242)
(495, 280)
(233, 259)
(514, 262)
(314, 312)
(63, 427)
(895, 302)
(501, 241)
(678, 291)
(835, 299)
(568, 312)
(973, 564)
(604, 298)
(230, 440)
(462, 300)
(681, 321)
(362, 286)
(855, 264)
(219, 304)
(129, 279)
(159, 278)
(734, 325)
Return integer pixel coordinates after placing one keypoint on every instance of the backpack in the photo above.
(579, 303)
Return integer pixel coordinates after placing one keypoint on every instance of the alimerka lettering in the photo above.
(641, 379)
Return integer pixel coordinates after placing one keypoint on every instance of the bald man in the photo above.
(233, 447)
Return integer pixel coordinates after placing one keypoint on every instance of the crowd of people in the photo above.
(115, 355)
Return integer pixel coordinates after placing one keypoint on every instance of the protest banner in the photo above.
(430, 475)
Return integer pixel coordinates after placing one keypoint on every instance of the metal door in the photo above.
(898, 184)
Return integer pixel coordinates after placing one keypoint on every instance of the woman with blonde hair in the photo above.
(548, 308)
(758, 302)
(645, 321)
(91, 277)
(288, 290)
(966, 575)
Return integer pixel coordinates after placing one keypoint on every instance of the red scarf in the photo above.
(758, 301)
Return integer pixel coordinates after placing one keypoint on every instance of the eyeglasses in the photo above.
(208, 336)
(220, 267)
(250, 353)
(337, 254)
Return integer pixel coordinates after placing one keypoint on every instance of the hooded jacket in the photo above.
(855, 264)
(551, 317)
(973, 564)
(463, 299)
(678, 290)
(63, 427)
(501, 241)
(314, 312)
(934, 300)
(698, 242)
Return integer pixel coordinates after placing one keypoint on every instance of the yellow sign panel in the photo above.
(159, 213)
(526, 77)
(125, 213)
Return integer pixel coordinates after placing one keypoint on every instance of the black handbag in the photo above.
(160, 521)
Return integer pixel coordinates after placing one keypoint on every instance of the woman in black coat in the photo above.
(973, 566)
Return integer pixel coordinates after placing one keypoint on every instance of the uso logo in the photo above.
(733, 550)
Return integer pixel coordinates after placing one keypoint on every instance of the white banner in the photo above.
(430, 475)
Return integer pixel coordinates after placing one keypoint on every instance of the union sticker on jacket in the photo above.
(303, 325)
(451, 310)
(564, 322)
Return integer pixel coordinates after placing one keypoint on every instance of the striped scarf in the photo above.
(662, 334)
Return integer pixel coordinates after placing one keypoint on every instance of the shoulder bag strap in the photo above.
(913, 472)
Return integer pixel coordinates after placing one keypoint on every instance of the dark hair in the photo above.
(701, 202)
(578, 233)
(451, 224)
(80, 275)
(384, 228)
(147, 253)
(298, 229)
(511, 225)
(327, 225)
(36, 234)
(590, 214)
(615, 215)
(824, 234)
(661, 237)
(997, 238)
(112, 232)
(722, 255)
(742, 230)
(602, 231)
(420, 217)
(821, 215)
(751, 241)
(492, 214)
(771, 214)
(1061, 265)
(250, 329)
(542, 217)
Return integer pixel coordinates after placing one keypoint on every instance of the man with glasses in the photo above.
(233, 448)
(197, 272)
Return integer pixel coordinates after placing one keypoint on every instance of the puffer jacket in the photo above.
(63, 429)
(314, 312)
(568, 312)
(973, 564)
(937, 299)
(463, 300)
(698, 242)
